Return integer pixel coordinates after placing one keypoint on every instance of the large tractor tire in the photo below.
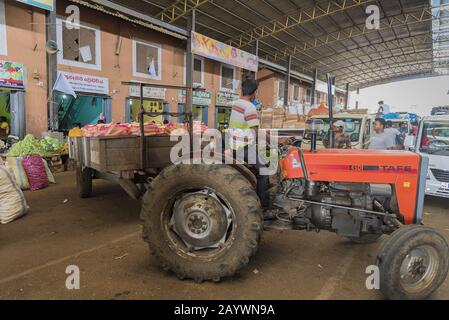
(413, 263)
(202, 222)
(84, 182)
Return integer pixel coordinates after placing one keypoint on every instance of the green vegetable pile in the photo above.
(50, 144)
(32, 146)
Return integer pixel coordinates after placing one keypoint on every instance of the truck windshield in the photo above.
(402, 126)
(352, 128)
(435, 138)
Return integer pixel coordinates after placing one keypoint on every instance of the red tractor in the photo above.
(204, 222)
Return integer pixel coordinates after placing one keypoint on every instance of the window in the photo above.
(3, 42)
(281, 90)
(79, 47)
(227, 78)
(296, 93)
(147, 60)
(308, 96)
(198, 71)
(198, 66)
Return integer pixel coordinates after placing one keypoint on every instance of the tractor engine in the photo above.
(344, 208)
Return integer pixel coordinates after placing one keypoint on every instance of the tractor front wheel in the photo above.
(413, 263)
(202, 222)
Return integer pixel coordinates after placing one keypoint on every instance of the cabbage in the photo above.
(28, 146)
(50, 144)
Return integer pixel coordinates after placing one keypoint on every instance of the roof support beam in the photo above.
(130, 15)
(287, 22)
(287, 83)
(179, 9)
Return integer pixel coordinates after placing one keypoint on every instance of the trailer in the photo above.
(120, 160)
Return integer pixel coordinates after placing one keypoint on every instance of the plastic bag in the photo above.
(35, 170)
(50, 176)
(12, 200)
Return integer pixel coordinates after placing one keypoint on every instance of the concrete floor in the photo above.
(101, 235)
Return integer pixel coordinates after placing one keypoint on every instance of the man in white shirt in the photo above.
(381, 140)
(243, 129)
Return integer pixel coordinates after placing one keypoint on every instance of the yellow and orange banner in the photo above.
(219, 51)
(43, 4)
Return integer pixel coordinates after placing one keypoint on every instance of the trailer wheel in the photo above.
(366, 238)
(413, 263)
(84, 181)
(202, 222)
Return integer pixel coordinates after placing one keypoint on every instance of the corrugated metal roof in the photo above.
(330, 35)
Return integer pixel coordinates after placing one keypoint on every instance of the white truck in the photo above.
(433, 141)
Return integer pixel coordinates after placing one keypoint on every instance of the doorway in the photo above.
(133, 108)
(12, 113)
(84, 110)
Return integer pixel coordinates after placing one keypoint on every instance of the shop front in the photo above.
(12, 101)
(84, 101)
(224, 103)
(200, 106)
(154, 100)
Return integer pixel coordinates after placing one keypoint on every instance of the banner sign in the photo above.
(148, 92)
(200, 98)
(219, 51)
(86, 83)
(12, 74)
(43, 4)
(226, 99)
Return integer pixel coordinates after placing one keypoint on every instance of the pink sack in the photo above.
(35, 170)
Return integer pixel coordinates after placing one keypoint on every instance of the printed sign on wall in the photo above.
(148, 92)
(86, 83)
(226, 99)
(12, 74)
(200, 98)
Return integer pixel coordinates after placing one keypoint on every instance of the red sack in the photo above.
(118, 130)
(35, 170)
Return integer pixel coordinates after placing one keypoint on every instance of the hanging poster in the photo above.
(219, 51)
(43, 4)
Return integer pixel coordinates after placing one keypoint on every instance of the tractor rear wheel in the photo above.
(413, 263)
(202, 222)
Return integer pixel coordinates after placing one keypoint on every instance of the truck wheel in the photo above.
(84, 181)
(366, 238)
(202, 222)
(413, 263)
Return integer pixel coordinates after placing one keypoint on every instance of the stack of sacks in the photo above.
(133, 129)
(16, 166)
(12, 200)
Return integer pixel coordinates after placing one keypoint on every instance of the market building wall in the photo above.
(25, 44)
(270, 96)
(119, 67)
